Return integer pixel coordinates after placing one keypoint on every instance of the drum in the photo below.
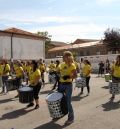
(25, 94)
(107, 77)
(80, 82)
(11, 84)
(114, 88)
(56, 104)
(51, 78)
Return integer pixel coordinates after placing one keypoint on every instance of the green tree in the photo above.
(48, 40)
(112, 40)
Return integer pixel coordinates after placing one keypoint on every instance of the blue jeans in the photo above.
(67, 90)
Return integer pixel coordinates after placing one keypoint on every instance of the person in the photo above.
(115, 72)
(57, 75)
(19, 72)
(81, 66)
(35, 83)
(86, 74)
(42, 70)
(101, 68)
(52, 72)
(1, 69)
(67, 71)
(107, 66)
(5, 75)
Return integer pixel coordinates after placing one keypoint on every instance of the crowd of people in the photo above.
(32, 72)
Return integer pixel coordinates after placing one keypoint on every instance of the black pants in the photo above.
(36, 90)
(87, 85)
(42, 76)
(17, 82)
(57, 79)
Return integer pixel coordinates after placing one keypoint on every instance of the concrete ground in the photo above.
(95, 111)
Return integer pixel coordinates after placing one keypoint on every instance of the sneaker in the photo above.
(30, 105)
(36, 107)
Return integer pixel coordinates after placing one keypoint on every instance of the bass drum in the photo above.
(25, 94)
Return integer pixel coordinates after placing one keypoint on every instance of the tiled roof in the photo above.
(21, 32)
(73, 46)
(58, 44)
(79, 41)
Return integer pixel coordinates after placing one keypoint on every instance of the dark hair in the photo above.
(117, 61)
(88, 62)
(35, 65)
(57, 63)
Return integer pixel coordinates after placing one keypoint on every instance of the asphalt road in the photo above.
(95, 111)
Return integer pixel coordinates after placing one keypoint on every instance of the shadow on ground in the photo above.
(111, 105)
(15, 114)
(51, 125)
(78, 97)
(7, 100)
(105, 87)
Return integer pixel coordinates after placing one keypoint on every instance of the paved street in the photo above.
(91, 112)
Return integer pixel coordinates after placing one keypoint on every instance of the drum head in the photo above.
(26, 88)
(54, 97)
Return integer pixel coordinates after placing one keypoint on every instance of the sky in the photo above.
(65, 20)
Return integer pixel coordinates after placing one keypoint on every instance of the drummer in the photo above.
(19, 72)
(86, 74)
(35, 83)
(67, 71)
(115, 71)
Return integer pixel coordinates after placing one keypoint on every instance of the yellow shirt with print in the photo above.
(19, 71)
(52, 67)
(66, 70)
(33, 76)
(6, 67)
(116, 71)
(86, 70)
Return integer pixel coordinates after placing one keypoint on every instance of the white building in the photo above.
(19, 44)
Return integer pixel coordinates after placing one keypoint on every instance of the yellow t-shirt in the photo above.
(66, 70)
(1, 69)
(19, 71)
(42, 68)
(52, 67)
(28, 69)
(86, 70)
(116, 70)
(33, 76)
(6, 67)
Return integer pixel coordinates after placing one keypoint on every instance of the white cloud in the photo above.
(69, 33)
(101, 2)
(63, 28)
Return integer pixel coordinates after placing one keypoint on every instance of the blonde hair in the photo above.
(67, 53)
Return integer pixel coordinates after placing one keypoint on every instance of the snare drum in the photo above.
(107, 77)
(114, 88)
(54, 101)
(25, 94)
(80, 82)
